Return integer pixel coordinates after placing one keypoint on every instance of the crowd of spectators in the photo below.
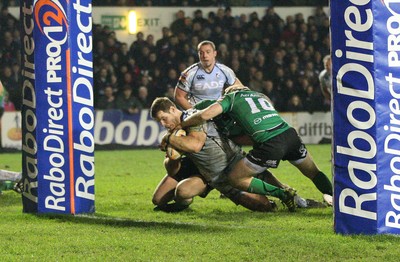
(10, 60)
(200, 3)
(280, 57)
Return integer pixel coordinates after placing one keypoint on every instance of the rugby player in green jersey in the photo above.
(273, 140)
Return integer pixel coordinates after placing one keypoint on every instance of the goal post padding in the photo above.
(57, 110)
(366, 115)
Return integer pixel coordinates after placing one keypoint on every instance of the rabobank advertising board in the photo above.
(57, 113)
(366, 115)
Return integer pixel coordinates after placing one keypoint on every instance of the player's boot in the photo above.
(308, 203)
(288, 199)
(311, 203)
(274, 207)
(171, 207)
(300, 202)
(176, 206)
(18, 187)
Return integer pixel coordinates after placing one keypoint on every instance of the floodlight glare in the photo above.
(132, 22)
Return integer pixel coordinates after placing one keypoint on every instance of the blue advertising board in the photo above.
(136, 130)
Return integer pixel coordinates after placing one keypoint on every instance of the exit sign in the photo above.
(114, 22)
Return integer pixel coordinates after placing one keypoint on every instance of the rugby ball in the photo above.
(172, 153)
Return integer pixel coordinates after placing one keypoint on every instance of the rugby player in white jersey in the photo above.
(203, 80)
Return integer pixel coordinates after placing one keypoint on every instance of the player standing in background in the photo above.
(205, 79)
(274, 140)
(325, 81)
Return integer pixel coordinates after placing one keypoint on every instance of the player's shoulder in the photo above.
(188, 112)
(322, 74)
(222, 66)
(193, 129)
(187, 75)
(192, 68)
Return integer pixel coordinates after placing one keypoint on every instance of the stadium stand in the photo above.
(278, 56)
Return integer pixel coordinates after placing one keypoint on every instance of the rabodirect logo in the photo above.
(51, 14)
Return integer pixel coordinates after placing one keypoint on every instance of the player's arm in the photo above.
(324, 88)
(193, 142)
(202, 115)
(243, 140)
(237, 82)
(325, 92)
(181, 98)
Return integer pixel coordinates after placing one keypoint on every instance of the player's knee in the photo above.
(156, 200)
(189, 190)
(183, 193)
(161, 199)
(234, 181)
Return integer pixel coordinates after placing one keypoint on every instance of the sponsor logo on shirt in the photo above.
(257, 121)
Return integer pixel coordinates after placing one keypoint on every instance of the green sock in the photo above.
(260, 187)
(322, 182)
(6, 185)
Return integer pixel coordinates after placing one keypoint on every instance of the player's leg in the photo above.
(164, 191)
(6, 175)
(297, 155)
(308, 168)
(241, 177)
(188, 188)
(255, 202)
(10, 180)
(301, 202)
(248, 200)
(170, 186)
(183, 194)
(270, 178)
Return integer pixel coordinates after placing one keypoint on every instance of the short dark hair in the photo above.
(160, 104)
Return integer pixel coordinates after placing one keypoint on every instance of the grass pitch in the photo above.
(125, 227)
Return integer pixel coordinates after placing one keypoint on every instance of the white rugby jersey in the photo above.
(201, 85)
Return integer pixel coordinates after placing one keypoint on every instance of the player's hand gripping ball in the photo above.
(172, 153)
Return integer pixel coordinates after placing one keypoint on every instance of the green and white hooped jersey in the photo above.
(255, 114)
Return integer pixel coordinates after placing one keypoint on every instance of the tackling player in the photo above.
(274, 140)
